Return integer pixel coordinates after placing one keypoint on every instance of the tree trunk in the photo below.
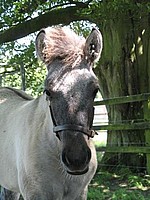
(124, 70)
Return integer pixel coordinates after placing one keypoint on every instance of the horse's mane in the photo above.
(20, 93)
(63, 43)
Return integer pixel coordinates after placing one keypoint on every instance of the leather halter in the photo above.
(73, 127)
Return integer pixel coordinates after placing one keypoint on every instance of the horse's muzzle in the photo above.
(76, 164)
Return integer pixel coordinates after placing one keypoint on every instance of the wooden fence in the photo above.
(145, 125)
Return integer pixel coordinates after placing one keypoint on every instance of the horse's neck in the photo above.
(44, 126)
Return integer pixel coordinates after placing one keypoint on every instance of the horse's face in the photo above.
(71, 90)
(72, 103)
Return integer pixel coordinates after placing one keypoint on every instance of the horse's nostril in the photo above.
(89, 156)
(76, 161)
(66, 160)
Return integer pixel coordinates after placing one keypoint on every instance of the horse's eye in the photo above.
(95, 92)
(48, 93)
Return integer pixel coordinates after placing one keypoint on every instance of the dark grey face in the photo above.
(71, 86)
(71, 100)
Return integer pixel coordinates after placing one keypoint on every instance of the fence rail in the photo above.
(123, 99)
(132, 125)
(126, 126)
(125, 149)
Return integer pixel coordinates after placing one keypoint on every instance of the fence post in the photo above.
(22, 72)
(0, 80)
(147, 131)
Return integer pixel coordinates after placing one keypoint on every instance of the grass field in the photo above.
(121, 185)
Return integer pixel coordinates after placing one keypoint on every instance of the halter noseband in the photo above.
(73, 127)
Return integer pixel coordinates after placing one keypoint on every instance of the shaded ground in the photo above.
(122, 185)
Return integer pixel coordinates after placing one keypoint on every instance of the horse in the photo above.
(46, 146)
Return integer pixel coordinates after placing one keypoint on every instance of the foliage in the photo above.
(21, 54)
(116, 8)
(16, 12)
(16, 53)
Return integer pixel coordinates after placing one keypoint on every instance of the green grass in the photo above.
(121, 185)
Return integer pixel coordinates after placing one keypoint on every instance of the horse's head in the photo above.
(71, 86)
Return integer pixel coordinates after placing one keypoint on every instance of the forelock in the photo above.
(63, 43)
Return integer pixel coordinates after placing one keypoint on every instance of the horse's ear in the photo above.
(40, 44)
(93, 45)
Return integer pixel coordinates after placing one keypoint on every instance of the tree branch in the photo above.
(54, 17)
(77, 3)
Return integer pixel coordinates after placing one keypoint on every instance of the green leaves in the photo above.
(20, 12)
(14, 12)
(22, 52)
(106, 10)
(13, 55)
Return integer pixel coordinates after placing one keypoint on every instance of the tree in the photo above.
(124, 69)
(18, 19)
(125, 63)
(53, 13)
